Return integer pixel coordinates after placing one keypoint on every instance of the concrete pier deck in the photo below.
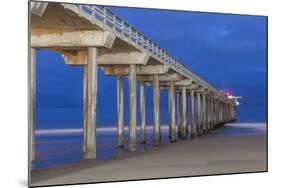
(231, 149)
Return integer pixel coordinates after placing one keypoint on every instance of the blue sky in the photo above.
(228, 51)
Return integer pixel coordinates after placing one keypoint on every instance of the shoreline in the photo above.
(210, 154)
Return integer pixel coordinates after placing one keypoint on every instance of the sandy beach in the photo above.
(235, 148)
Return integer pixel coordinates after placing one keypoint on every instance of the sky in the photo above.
(228, 51)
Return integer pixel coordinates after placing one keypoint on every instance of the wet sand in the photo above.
(231, 149)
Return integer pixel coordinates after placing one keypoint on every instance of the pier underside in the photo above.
(94, 37)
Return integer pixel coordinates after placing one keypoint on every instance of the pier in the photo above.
(93, 36)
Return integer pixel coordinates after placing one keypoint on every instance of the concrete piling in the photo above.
(156, 110)
(133, 108)
(204, 113)
(142, 112)
(184, 114)
(198, 112)
(120, 110)
(172, 111)
(85, 101)
(32, 104)
(192, 115)
(90, 152)
(179, 113)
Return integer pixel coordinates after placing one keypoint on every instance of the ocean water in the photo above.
(55, 147)
(65, 145)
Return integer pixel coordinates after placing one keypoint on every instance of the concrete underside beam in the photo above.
(113, 70)
(162, 78)
(71, 38)
(77, 57)
(123, 58)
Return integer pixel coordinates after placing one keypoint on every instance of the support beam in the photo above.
(179, 113)
(133, 108)
(163, 78)
(186, 82)
(32, 105)
(142, 112)
(85, 102)
(192, 115)
(156, 110)
(123, 58)
(111, 60)
(184, 114)
(38, 8)
(113, 70)
(172, 112)
(92, 103)
(71, 38)
(120, 110)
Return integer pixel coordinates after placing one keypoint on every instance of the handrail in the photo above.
(105, 18)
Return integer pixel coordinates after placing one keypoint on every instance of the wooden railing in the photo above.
(107, 20)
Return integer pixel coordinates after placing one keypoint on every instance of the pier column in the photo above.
(192, 115)
(120, 111)
(142, 112)
(32, 105)
(85, 101)
(156, 110)
(179, 113)
(204, 113)
(212, 112)
(184, 114)
(209, 112)
(90, 152)
(172, 111)
(215, 113)
(198, 110)
(133, 108)
(220, 112)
